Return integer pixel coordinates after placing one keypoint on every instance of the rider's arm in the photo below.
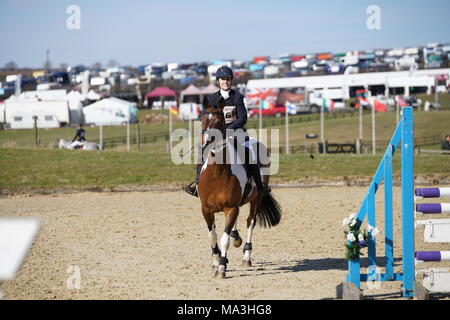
(241, 114)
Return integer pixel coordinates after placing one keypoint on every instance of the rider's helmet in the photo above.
(224, 72)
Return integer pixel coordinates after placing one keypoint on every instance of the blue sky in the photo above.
(136, 32)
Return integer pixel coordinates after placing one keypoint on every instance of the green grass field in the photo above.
(24, 169)
(24, 166)
(341, 129)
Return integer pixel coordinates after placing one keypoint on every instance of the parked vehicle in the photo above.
(311, 101)
(378, 67)
(405, 62)
(334, 68)
(276, 111)
(434, 61)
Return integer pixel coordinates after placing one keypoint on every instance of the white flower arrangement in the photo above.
(360, 237)
(350, 220)
(351, 237)
(373, 230)
(356, 238)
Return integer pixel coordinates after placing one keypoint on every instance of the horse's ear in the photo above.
(206, 104)
(221, 103)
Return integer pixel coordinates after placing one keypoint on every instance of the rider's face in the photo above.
(225, 83)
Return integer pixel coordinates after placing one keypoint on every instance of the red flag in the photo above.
(379, 107)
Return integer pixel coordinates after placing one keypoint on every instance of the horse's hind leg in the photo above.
(251, 222)
(231, 215)
(236, 239)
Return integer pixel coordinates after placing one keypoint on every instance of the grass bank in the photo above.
(28, 169)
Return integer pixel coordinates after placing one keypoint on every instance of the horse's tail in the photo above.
(269, 214)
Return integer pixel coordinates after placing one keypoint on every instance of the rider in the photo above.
(80, 137)
(224, 78)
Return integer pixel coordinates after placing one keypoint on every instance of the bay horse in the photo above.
(220, 189)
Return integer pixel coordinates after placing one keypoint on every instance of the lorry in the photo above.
(331, 99)
(305, 100)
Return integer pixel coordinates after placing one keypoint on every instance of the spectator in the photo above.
(446, 143)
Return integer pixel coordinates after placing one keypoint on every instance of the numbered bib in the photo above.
(229, 113)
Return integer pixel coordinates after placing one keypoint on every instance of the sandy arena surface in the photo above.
(154, 245)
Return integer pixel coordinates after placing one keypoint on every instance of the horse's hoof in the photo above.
(220, 275)
(236, 242)
(246, 263)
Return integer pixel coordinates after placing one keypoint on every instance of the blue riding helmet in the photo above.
(224, 72)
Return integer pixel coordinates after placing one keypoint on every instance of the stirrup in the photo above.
(191, 190)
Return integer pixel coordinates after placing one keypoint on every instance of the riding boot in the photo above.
(262, 187)
(192, 187)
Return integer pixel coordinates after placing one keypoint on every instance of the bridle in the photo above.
(212, 113)
(220, 127)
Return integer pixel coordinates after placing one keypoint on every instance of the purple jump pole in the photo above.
(428, 192)
(433, 207)
(432, 255)
(428, 255)
(433, 192)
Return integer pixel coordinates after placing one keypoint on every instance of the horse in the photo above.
(65, 144)
(220, 189)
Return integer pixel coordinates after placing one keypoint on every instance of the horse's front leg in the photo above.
(212, 236)
(215, 248)
(231, 215)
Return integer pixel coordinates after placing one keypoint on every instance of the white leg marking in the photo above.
(213, 238)
(249, 240)
(224, 245)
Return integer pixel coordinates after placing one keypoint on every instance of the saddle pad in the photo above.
(237, 169)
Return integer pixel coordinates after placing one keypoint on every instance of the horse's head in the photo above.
(213, 119)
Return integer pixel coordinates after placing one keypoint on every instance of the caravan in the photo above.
(24, 119)
(64, 108)
(51, 114)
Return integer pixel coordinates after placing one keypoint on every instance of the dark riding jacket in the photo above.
(235, 99)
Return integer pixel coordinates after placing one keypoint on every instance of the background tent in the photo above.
(209, 89)
(110, 111)
(196, 94)
(191, 108)
(191, 92)
(161, 93)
